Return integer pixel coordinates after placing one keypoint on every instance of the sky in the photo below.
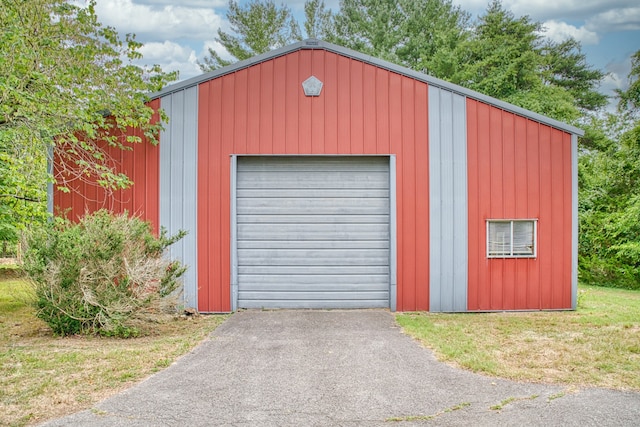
(177, 33)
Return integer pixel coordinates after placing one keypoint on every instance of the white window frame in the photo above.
(510, 254)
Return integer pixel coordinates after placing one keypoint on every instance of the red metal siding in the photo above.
(141, 165)
(263, 110)
(518, 168)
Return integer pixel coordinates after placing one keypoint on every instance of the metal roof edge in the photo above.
(340, 50)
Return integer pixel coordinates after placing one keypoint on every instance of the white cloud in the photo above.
(187, 3)
(216, 46)
(152, 23)
(567, 9)
(627, 19)
(559, 31)
(171, 57)
(616, 78)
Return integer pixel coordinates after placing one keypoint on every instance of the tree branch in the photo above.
(25, 198)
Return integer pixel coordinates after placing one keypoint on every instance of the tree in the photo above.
(434, 30)
(373, 27)
(609, 199)
(564, 65)
(259, 27)
(508, 58)
(502, 55)
(419, 34)
(630, 98)
(68, 88)
(318, 19)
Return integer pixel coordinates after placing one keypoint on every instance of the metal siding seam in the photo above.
(50, 162)
(393, 242)
(435, 202)
(165, 163)
(176, 160)
(447, 174)
(234, 234)
(190, 205)
(461, 235)
(574, 227)
(176, 166)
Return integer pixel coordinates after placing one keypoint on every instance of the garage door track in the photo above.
(339, 368)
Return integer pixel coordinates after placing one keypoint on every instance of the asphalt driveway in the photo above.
(339, 368)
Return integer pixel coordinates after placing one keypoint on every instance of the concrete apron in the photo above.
(339, 368)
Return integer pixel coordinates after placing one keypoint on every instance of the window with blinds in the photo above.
(511, 238)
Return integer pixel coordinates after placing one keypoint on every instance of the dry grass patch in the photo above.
(597, 345)
(43, 377)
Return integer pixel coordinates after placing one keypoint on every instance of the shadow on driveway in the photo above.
(339, 368)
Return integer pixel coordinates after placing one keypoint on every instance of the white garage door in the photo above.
(312, 232)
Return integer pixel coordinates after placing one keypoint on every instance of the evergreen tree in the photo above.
(258, 27)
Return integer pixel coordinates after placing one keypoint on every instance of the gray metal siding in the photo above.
(448, 201)
(178, 181)
(312, 232)
(574, 217)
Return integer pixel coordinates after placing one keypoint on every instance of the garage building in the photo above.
(314, 176)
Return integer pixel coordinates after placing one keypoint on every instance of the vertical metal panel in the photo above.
(50, 163)
(519, 168)
(336, 122)
(574, 219)
(178, 182)
(448, 208)
(140, 164)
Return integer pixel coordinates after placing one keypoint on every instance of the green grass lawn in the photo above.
(42, 376)
(597, 345)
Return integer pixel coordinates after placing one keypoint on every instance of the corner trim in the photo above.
(234, 234)
(574, 222)
(393, 242)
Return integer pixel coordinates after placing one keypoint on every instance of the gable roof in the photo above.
(368, 59)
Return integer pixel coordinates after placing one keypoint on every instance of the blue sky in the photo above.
(177, 33)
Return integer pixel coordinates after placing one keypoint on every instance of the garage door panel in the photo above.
(304, 164)
(313, 244)
(315, 304)
(365, 273)
(310, 295)
(308, 205)
(288, 193)
(313, 219)
(294, 287)
(313, 232)
(313, 179)
(315, 281)
(246, 255)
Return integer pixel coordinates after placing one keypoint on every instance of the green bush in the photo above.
(100, 275)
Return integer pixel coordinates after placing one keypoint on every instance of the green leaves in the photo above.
(609, 199)
(98, 275)
(66, 82)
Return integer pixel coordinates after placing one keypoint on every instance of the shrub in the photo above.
(100, 275)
